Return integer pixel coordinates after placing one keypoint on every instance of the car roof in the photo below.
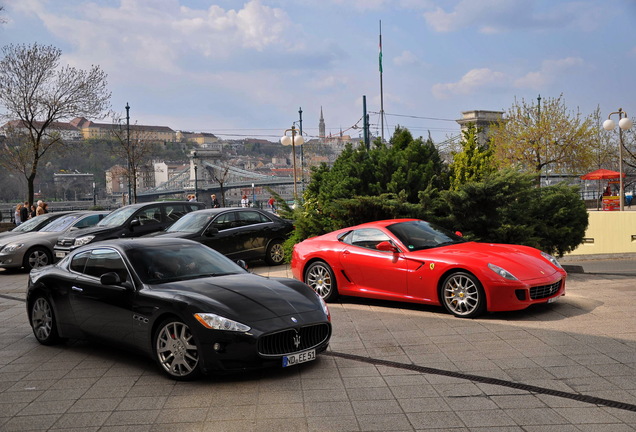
(139, 242)
(143, 204)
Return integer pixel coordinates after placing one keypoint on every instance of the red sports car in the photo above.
(415, 261)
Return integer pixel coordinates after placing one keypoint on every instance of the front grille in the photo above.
(65, 242)
(293, 340)
(544, 291)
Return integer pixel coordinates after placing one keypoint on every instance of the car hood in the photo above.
(246, 298)
(95, 230)
(523, 262)
(172, 234)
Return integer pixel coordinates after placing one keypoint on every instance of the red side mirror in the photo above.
(459, 233)
(386, 247)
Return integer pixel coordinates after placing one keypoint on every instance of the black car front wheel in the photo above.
(176, 350)
(275, 253)
(43, 321)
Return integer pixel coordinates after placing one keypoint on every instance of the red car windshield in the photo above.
(418, 235)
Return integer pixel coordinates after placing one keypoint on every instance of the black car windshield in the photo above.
(61, 224)
(117, 217)
(418, 235)
(170, 263)
(191, 223)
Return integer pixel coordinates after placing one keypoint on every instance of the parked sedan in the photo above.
(415, 261)
(189, 307)
(34, 224)
(35, 249)
(238, 233)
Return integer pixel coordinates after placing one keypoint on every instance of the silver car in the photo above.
(35, 249)
(34, 224)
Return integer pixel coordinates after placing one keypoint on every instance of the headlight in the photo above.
(552, 259)
(12, 247)
(502, 272)
(217, 322)
(83, 240)
(324, 306)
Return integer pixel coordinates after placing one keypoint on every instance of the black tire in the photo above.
(37, 257)
(177, 351)
(43, 321)
(275, 254)
(462, 295)
(320, 278)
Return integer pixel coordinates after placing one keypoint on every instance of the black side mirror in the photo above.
(110, 278)
(211, 231)
(134, 223)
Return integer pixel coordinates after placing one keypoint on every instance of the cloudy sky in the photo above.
(244, 68)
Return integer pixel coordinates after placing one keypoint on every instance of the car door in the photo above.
(254, 232)
(150, 220)
(226, 239)
(380, 273)
(103, 311)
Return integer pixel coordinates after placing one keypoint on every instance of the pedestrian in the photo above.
(245, 202)
(215, 202)
(34, 211)
(17, 214)
(40, 209)
(24, 212)
(192, 198)
(272, 204)
(45, 206)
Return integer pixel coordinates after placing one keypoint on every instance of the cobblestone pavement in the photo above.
(568, 366)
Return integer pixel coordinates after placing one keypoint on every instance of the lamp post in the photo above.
(624, 123)
(293, 140)
(129, 152)
(196, 175)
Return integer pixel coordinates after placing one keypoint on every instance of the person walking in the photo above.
(34, 211)
(40, 209)
(272, 204)
(215, 202)
(245, 202)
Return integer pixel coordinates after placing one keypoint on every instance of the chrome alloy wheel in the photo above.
(37, 258)
(276, 254)
(462, 295)
(42, 319)
(320, 278)
(176, 350)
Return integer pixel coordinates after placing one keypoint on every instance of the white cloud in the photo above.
(551, 70)
(406, 58)
(473, 81)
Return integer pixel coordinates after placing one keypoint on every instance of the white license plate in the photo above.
(302, 357)
(60, 254)
(553, 299)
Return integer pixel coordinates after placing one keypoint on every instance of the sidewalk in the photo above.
(568, 366)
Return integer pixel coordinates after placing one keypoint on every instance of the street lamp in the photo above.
(196, 176)
(624, 123)
(293, 140)
(128, 152)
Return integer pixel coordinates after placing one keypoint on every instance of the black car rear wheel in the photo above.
(275, 253)
(176, 350)
(320, 278)
(43, 321)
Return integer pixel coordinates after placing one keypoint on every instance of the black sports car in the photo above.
(181, 302)
(238, 233)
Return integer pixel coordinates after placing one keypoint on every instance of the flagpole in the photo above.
(381, 89)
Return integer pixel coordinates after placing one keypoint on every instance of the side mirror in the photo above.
(134, 223)
(242, 264)
(110, 278)
(386, 246)
(459, 234)
(211, 231)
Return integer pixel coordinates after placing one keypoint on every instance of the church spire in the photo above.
(321, 126)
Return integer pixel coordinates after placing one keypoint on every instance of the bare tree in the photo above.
(135, 145)
(220, 176)
(37, 93)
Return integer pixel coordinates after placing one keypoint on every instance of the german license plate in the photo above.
(60, 254)
(302, 357)
(553, 299)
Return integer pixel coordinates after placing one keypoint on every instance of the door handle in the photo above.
(78, 289)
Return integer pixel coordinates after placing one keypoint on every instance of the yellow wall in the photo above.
(609, 232)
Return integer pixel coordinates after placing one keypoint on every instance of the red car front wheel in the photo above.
(320, 278)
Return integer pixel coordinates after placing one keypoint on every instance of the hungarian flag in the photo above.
(380, 57)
